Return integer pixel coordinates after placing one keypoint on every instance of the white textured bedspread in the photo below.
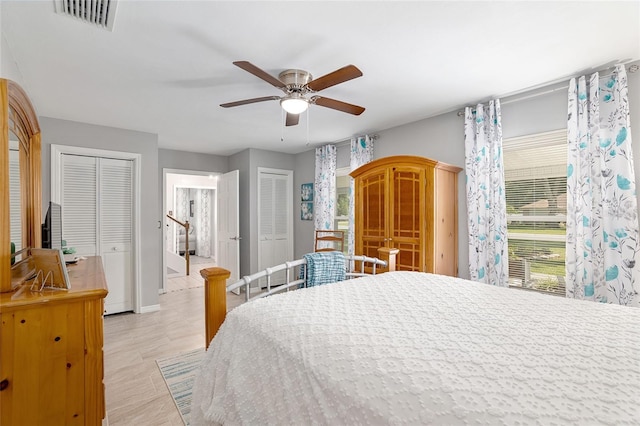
(413, 348)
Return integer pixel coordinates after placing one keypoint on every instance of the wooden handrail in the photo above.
(215, 291)
(177, 221)
(184, 224)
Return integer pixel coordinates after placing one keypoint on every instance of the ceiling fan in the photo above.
(297, 84)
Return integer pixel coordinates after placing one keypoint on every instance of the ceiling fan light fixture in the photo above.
(294, 104)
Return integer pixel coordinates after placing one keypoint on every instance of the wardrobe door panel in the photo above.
(372, 228)
(407, 213)
(406, 204)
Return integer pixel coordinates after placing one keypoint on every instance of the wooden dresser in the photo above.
(51, 361)
(409, 203)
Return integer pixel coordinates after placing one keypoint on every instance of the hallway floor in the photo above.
(192, 280)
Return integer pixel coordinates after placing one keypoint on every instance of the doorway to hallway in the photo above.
(189, 196)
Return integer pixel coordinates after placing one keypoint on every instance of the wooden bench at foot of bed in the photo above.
(215, 291)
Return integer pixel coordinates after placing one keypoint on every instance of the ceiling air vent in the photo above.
(96, 12)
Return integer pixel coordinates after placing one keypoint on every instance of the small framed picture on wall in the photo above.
(306, 192)
(306, 211)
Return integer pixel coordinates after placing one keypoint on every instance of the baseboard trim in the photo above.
(150, 308)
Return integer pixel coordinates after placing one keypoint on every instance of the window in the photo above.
(341, 221)
(536, 192)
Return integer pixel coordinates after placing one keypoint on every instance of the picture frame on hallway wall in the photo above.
(306, 211)
(306, 192)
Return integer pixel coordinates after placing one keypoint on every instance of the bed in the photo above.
(417, 348)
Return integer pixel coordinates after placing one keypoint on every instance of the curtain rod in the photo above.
(343, 141)
(515, 98)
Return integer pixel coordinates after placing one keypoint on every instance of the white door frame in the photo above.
(289, 174)
(166, 171)
(56, 179)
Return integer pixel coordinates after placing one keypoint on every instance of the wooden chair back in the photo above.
(329, 240)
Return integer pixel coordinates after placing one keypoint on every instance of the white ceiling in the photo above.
(167, 65)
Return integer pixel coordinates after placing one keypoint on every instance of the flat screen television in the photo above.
(52, 227)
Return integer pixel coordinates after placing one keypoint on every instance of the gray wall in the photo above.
(62, 132)
(247, 162)
(182, 160)
(442, 138)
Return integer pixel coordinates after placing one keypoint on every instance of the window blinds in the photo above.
(536, 193)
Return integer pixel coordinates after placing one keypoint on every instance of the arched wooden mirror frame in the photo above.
(17, 114)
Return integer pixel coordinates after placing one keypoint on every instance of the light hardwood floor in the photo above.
(135, 392)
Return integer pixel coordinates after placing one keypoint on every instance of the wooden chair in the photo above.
(332, 239)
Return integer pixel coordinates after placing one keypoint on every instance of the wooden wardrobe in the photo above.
(409, 203)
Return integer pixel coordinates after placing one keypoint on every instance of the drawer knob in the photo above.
(4, 384)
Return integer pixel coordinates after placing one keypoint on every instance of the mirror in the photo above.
(15, 198)
(20, 185)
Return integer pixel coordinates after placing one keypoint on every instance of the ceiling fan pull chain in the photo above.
(282, 120)
(307, 127)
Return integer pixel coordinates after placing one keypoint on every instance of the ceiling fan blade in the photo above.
(339, 76)
(249, 67)
(249, 101)
(339, 105)
(292, 119)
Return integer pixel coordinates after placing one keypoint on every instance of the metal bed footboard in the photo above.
(216, 288)
(293, 280)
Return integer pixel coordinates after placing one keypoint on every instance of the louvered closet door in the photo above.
(116, 217)
(274, 215)
(79, 200)
(97, 217)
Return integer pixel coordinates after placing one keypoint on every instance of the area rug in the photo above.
(178, 372)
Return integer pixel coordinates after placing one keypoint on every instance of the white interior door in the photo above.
(228, 252)
(275, 225)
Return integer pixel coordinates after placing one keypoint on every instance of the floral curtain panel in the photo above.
(603, 245)
(182, 214)
(361, 153)
(202, 220)
(325, 187)
(486, 203)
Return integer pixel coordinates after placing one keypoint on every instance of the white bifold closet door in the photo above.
(97, 218)
(274, 221)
